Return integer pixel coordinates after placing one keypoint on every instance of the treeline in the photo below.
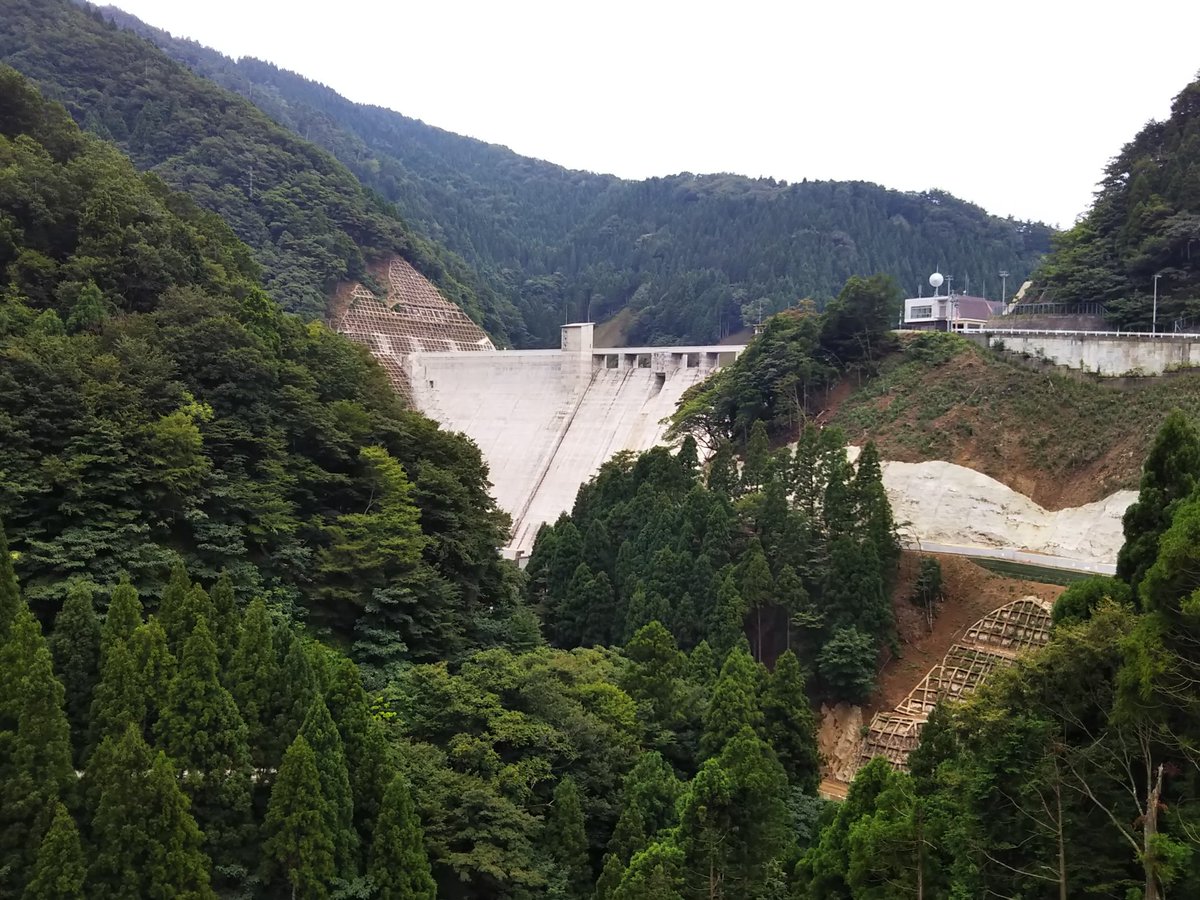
(200, 751)
(309, 222)
(693, 258)
(155, 402)
(1072, 774)
(1144, 222)
(786, 371)
(798, 550)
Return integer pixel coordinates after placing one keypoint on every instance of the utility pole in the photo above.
(1004, 286)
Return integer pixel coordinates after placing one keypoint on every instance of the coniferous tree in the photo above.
(398, 865)
(10, 595)
(35, 746)
(875, 513)
(119, 700)
(297, 848)
(173, 613)
(702, 665)
(75, 646)
(566, 841)
(295, 688)
(155, 667)
(726, 630)
(203, 733)
(758, 454)
(734, 703)
(322, 736)
(722, 471)
(649, 797)
(790, 727)
(123, 616)
(645, 608)
(757, 590)
(610, 877)
(656, 873)
(1170, 474)
(225, 623)
(60, 870)
(146, 842)
(253, 680)
(364, 743)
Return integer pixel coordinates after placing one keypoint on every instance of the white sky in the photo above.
(1013, 105)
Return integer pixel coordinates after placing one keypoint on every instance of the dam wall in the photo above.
(546, 420)
(1107, 353)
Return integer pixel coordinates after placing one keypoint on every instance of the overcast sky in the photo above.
(1015, 105)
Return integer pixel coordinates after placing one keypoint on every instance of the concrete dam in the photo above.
(545, 420)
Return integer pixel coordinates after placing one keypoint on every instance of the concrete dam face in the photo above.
(545, 420)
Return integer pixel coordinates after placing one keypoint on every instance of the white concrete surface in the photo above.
(546, 420)
(944, 507)
(1106, 353)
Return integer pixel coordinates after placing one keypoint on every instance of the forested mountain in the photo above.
(693, 257)
(308, 220)
(1145, 221)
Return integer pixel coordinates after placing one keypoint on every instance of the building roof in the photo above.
(978, 307)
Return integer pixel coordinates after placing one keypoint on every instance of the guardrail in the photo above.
(1151, 335)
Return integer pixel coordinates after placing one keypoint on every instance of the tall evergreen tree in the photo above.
(649, 797)
(173, 613)
(727, 629)
(656, 873)
(364, 743)
(322, 736)
(790, 727)
(566, 841)
(123, 616)
(298, 846)
(398, 865)
(722, 471)
(734, 704)
(35, 746)
(75, 645)
(60, 871)
(875, 513)
(155, 667)
(203, 732)
(10, 595)
(757, 590)
(119, 700)
(146, 842)
(253, 678)
(758, 455)
(226, 623)
(1170, 474)
(294, 688)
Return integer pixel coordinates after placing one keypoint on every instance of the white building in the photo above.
(956, 312)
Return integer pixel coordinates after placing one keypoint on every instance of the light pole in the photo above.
(1154, 314)
(1003, 286)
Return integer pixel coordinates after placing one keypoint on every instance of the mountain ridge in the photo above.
(692, 255)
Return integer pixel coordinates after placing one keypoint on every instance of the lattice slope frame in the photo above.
(992, 642)
(412, 317)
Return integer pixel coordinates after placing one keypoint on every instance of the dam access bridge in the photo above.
(546, 420)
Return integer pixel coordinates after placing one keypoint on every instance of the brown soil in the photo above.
(971, 593)
(1059, 440)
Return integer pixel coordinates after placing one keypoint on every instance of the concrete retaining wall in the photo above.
(1105, 353)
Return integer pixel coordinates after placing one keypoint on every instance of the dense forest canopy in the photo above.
(691, 257)
(307, 219)
(1144, 222)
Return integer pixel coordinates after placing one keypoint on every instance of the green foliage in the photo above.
(10, 595)
(1077, 603)
(790, 726)
(321, 735)
(1168, 476)
(734, 704)
(123, 617)
(656, 873)
(847, 664)
(35, 747)
(120, 700)
(60, 870)
(75, 646)
(399, 866)
(298, 849)
(146, 842)
(202, 731)
(566, 844)
(1142, 223)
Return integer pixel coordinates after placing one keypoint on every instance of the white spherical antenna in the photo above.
(935, 280)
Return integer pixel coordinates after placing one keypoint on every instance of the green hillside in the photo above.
(1145, 221)
(308, 220)
(693, 255)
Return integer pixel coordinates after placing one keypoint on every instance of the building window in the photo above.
(921, 312)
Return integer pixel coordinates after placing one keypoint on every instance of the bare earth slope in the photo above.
(1059, 440)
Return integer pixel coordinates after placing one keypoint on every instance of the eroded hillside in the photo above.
(1061, 440)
